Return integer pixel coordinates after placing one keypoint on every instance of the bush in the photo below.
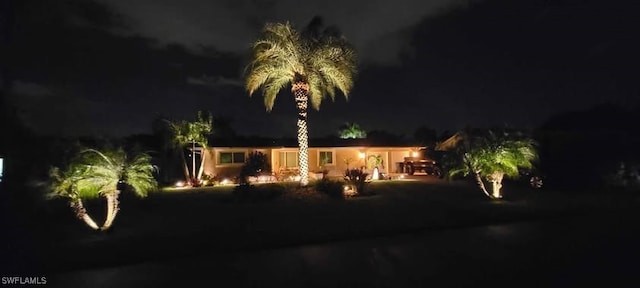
(306, 194)
(626, 177)
(257, 163)
(251, 193)
(357, 179)
(332, 188)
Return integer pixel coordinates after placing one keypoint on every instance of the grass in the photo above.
(179, 222)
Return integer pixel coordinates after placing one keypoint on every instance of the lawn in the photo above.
(183, 222)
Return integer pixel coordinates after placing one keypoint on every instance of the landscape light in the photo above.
(180, 184)
(361, 155)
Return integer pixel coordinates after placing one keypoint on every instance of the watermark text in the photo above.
(24, 280)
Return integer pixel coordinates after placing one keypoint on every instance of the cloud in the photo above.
(232, 25)
(51, 111)
(31, 91)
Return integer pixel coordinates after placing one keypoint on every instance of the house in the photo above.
(336, 158)
(451, 143)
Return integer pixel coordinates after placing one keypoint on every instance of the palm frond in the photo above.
(185, 132)
(272, 88)
(498, 153)
(139, 175)
(93, 173)
(316, 87)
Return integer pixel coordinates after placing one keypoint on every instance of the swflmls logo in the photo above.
(17, 280)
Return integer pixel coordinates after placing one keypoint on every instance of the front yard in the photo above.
(183, 222)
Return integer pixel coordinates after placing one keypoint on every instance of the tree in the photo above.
(494, 156)
(352, 131)
(314, 63)
(194, 132)
(426, 136)
(163, 135)
(93, 174)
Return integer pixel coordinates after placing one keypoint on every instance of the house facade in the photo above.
(227, 161)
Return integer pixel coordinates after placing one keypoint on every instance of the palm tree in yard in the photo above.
(315, 63)
(93, 174)
(494, 156)
(192, 133)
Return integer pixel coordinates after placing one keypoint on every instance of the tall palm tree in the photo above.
(351, 130)
(93, 174)
(314, 63)
(494, 156)
(192, 132)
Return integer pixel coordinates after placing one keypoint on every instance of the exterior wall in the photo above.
(344, 155)
(213, 167)
(390, 157)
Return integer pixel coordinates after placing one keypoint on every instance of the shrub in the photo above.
(357, 179)
(307, 193)
(257, 163)
(626, 177)
(332, 188)
(246, 192)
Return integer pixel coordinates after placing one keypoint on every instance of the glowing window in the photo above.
(288, 159)
(326, 157)
(231, 158)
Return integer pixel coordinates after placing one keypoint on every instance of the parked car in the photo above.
(425, 162)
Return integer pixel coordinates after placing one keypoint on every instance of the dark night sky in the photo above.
(112, 66)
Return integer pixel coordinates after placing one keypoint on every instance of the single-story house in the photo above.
(227, 161)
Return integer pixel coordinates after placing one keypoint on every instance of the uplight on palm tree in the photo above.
(93, 174)
(315, 63)
(493, 157)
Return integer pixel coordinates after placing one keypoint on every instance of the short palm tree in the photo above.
(314, 63)
(351, 131)
(192, 132)
(93, 174)
(494, 156)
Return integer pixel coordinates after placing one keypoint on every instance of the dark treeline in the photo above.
(582, 148)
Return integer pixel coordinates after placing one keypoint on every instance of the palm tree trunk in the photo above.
(202, 156)
(481, 184)
(112, 209)
(82, 214)
(193, 161)
(301, 93)
(185, 166)
(496, 181)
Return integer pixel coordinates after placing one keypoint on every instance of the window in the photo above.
(288, 159)
(325, 158)
(231, 158)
